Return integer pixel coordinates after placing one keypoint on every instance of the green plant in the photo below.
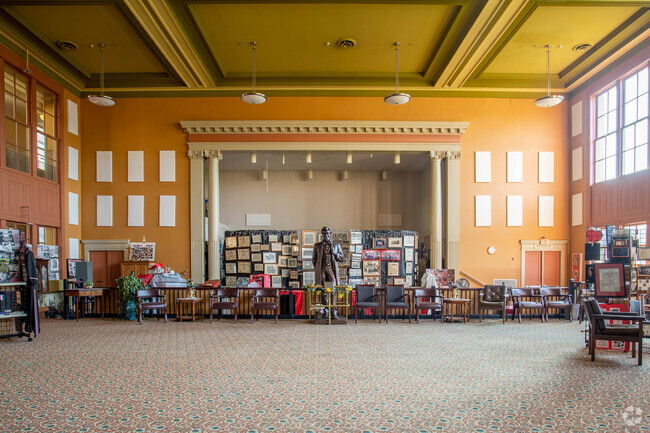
(88, 283)
(127, 288)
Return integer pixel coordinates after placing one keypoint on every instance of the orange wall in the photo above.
(69, 185)
(498, 125)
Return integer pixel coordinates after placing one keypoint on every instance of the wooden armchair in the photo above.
(493, 298)
(600, 330)
(554, 298)
(151, 299)
(265, 299)
(367, 298)
(526, 299)
(397, 299)
(224, 299)
(428, 299)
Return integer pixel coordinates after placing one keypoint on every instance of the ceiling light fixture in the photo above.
(308, 158)
(384, 175)
(548, 100)
(345, 175)
(310, 175)
(397, 98)
(101, 99)
(254, 97)
(348, 159)
(397, 159)
(253, 158)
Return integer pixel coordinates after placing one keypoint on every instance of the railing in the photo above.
(473, 278)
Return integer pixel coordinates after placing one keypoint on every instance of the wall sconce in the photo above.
(348, 160)
(345, 175)
(310, 175)
(308, 158)
(384, 175)
(397, 159)
(265, 174)
(253, 158)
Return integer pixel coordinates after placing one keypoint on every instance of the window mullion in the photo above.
(620, 103)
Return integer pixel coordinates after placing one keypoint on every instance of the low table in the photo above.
(187, 301)
(454, 303)
(83, 293)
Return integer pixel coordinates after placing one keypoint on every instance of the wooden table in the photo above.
(462, 303)
(187, 301)
(83, 293)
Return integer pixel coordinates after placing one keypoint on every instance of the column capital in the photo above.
(437, 154)
(454, 154)
(211, 154)
(195, 154)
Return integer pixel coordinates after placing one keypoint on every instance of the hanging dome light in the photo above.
(397, 98)
(101, 99)
(253, 97)
(548, 100)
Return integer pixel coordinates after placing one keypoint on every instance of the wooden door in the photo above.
(106, 267)
(551, 267)
(533, 268)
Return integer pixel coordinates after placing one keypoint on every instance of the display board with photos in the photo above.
(369, 256)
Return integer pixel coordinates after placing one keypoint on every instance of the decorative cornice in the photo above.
(438, 154)
(453, 154)
(322, 127)
(195, 154)
(210, 154)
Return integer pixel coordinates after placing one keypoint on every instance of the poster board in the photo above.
(610, 280)
(142, 251)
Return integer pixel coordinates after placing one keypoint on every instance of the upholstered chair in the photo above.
(428, 299)
(151, 299)
(493, 298)
(396, 298)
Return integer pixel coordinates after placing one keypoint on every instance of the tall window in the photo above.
(17, 130)
(46, 142)
(621, 144)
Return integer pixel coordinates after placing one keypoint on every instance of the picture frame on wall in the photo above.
(294, 284)
(231, 268)
(354, 281)
(256, 257)
(308, 278)
(276, 246)
(343, 273)
(372, 280)
(355, 272)
(264, 247)
(276, 281)
(293, 275)
(286, 239)
(408, 267)
(268, 258)
(243, 254)
(358, 249)
(576, 266)
(307, 253)
(256, 247)
(285, 273)
(393, 269)
(231, 281)
(408, 254)
(392, 255)
(244, 241)
(394, 242)
(271, 268)
(230, 241)
(292, 262)
(355, 264)
(258, 267)
(371, 267)
(72, 268)
(230, 255)
(295, 239)
(370, 255)
(409, 241)
(356, 238)
(295, 250)
(256, 239)
(610, 279)
(273, 238)
(244, 267)
(308, 238)
(399, 280)
(307, 265)
(379, 243)
(282, 261)
(286, 250)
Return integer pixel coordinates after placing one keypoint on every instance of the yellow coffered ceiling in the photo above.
(447, 48)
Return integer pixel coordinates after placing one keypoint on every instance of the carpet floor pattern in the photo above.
(109, 375)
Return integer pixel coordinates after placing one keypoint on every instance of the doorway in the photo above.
(543, 262)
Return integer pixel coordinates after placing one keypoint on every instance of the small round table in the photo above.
(462, 303)
(187, 301)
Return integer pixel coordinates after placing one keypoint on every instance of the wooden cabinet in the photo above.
(137, 267)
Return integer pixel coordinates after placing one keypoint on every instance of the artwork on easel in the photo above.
(142, 251)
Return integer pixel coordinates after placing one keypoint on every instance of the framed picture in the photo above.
(398, 281)
(393, 269)
(295, 239)
(295, 250)
(371, 267)
(408, 254)
(307, 253)
(231, 268)
(308, 278)
(231, 241)
(357, 256)
(307, 265)
(243, 254)
(292, 262)
(268, 258)
(408, 281)
(355, 272)
(409, 241)
(230, 255)
(293, 275)
(256, 247)
(644, 271)
(372, 280)
(354, 281)
(72, 268)
(356, 238)
(276, 246)
(256, 239)
(231, 281)
(286, 239)
(356, 249)
(282, 261)
(273, 238)
(244, 241)
(380, 243)
(286, 250)
(408, 268)
(271, 269)
(258, 267)
(610, 279)
(285, 273)
(393, 255)
(343, 273)
(244, 267)
(370, 255)
(643, 253)
(294, 284)
(308, 238)
(256, 257)
(264, 247)
(276, 281)
(576, 266)
(145, 251)
(355, 265)
(341, 237)
(394, 242)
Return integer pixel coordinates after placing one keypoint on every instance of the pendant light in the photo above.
(254, 97)
(397, 98)
(548, 100)
(101, 99)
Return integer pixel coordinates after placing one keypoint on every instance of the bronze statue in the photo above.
(326, 256)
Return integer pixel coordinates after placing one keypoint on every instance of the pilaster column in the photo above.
(436, 209)
(452, 210)
(197, 216)
(214, 270)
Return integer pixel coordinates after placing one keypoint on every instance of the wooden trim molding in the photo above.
(105, 245)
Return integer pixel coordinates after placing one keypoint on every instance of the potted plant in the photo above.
(127, 289)
(88, 284)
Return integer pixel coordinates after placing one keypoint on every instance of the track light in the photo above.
(384, 175)
(310, 175)
(308, 158)
(397, 159)
(265, 174)
(253, 158)
(348, 160)
(345, 175)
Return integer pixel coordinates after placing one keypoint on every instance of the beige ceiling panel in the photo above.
(292, 37)
(567, 26)
(84, 25)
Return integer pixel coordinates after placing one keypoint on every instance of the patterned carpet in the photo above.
(109, 375)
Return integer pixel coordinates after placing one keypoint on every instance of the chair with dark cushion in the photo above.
(265, 299)
(554, 298)
(151, 299)
(396, 298)
(526, 299)
(367, 298)
(493, 298)
(428, 299)
(599, 329)
(224, 299)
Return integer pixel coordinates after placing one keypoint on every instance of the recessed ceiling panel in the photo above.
(125, 51)
(567, 26)
(292, 38)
